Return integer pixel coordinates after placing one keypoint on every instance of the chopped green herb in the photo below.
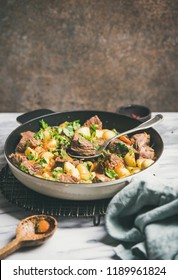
(68, 131)
(121, 147)
(63, 154)
(63, 141)
(86, 137)
(131, 152)
(31, 156)
(115, 131)
(88, 165)
(92, 176)
(22, 168)
(76, 124)
(43, 162)
(80, 140)
(27, 144)
(43, 124)
(93, 129)
(39, 135)
(110, 173)
(101, 157)
(57, 171)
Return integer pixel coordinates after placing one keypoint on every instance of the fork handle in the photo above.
(153, 121)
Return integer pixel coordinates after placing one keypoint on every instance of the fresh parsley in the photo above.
(76, 124)
(110, 173)
(63, 141)
(39, 135)
(93, 129)
(68, 131)
(121, 147)
(31, 156)
(43, 162)
(43, 124)
(27, 144)
(63, 153)
(70, 128)
(22, 168)
(57, 171)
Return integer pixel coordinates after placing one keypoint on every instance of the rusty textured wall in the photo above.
(84, 54)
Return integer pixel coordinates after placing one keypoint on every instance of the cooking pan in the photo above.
(75, 191)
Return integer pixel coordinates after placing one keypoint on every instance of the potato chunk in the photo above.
(122, 172)
(130, 159)
(108, 134)
(84, 172)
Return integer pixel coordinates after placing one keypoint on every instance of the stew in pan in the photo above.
(44, 153)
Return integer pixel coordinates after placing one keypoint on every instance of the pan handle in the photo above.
(32, 115)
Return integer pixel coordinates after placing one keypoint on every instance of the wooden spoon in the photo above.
(28, 233)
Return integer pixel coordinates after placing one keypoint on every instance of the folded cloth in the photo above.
(143, 217)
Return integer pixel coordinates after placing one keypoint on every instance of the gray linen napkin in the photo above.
(143, 217)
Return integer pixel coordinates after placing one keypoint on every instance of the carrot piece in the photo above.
(45, 145)
(125, 139)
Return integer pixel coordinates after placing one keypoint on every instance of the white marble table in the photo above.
(78, 238)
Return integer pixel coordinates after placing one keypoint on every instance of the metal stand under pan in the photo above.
(16, 193)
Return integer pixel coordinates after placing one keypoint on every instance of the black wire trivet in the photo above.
(16, 193)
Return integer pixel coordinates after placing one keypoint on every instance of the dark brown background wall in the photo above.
(88, 54)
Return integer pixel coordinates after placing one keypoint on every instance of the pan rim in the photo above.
(86, 185)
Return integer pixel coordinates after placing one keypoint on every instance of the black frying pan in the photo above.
(74, 191)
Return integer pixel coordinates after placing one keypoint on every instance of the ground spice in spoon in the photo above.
(42, 226)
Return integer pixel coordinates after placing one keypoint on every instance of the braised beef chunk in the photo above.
(99, 168)
(141, 139)
(27, 139)
(32, 167)
(119, 147)
(94, 120)
(60, 159)
(66, 178)
(146, 152)
(112, 160)
(141, 142)
(81, 145)
(17, 158)
(77, 162)
(101, 178)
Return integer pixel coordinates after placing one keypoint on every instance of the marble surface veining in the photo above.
(78, 238)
